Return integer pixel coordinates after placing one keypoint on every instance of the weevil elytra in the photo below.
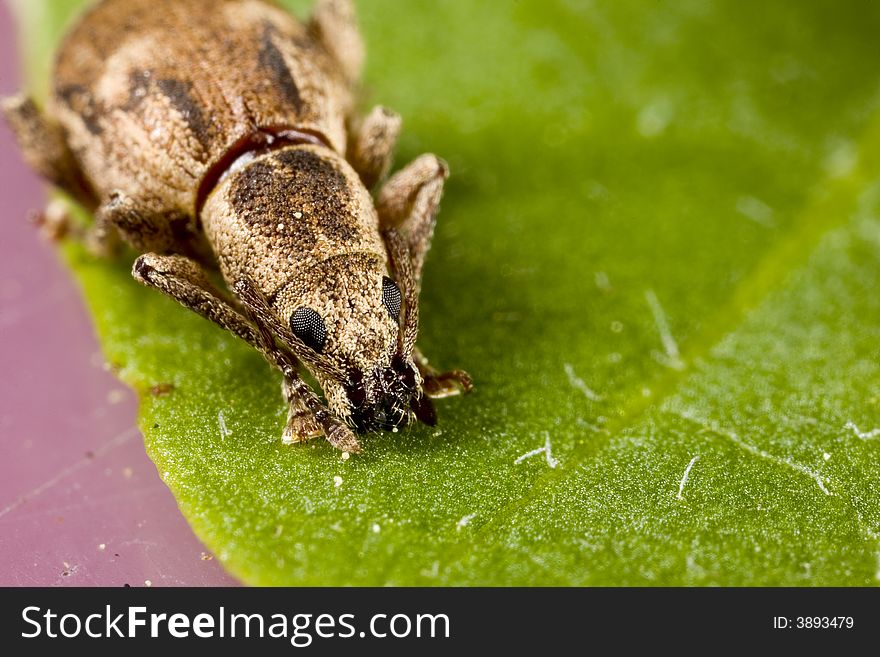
(220, 134)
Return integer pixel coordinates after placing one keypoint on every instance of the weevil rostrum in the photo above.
(220, 134)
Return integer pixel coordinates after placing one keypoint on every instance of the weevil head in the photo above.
(348, 317)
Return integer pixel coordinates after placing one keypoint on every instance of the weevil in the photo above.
(221, 136)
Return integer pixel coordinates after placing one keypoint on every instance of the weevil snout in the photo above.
(389, 398)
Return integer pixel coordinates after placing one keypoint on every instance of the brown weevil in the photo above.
(220, 134)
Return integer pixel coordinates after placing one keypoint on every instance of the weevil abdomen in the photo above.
(154, 94)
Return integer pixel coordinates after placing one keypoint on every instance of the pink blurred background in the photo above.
(80, 502)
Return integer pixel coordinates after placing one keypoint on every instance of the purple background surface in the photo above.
(80, 502)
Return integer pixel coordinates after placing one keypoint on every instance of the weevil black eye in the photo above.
(308, 326)
(391, 297)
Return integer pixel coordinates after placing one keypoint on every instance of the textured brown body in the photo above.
(154, 93)
(218, 134)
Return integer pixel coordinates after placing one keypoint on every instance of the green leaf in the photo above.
(658, 255)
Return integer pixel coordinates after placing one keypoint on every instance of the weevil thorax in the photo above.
(299, 225)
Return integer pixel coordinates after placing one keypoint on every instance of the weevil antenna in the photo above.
(401, 265)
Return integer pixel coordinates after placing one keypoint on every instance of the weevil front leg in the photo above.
(371, 147)
(337, 432)
(301, 423)
(185, 281)
(308, 418)
(409, 203)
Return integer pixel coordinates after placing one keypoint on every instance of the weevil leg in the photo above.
(139, 226)
(334, 25)
(308, 418)
(301, 423)
(409, 202)
(145, 228)
(185, 281)
(45, 148)
(438, 384)
(118, 216)
(371, 147)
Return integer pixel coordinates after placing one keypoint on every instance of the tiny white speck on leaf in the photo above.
(376, 529)
(102, 546)
(826, 456)
(345, 456)
(842, 160)
(298, 215)
(672, 357)
(224, 430)
(685, 476)
(148, 583)
(337, 481)
(115, 396)
(602, 281)
(754, 209)
(465, 521)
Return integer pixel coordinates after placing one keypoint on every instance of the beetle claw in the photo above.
(300, 428)
(448, 384)
(342, 438)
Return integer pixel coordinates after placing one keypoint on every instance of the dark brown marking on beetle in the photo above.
(264, 140)
(311, 180)
(262, 203)
(138, 88)
(79, 99)
(298, 190)
(272, 60)
(254, 183)
(180, 95)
